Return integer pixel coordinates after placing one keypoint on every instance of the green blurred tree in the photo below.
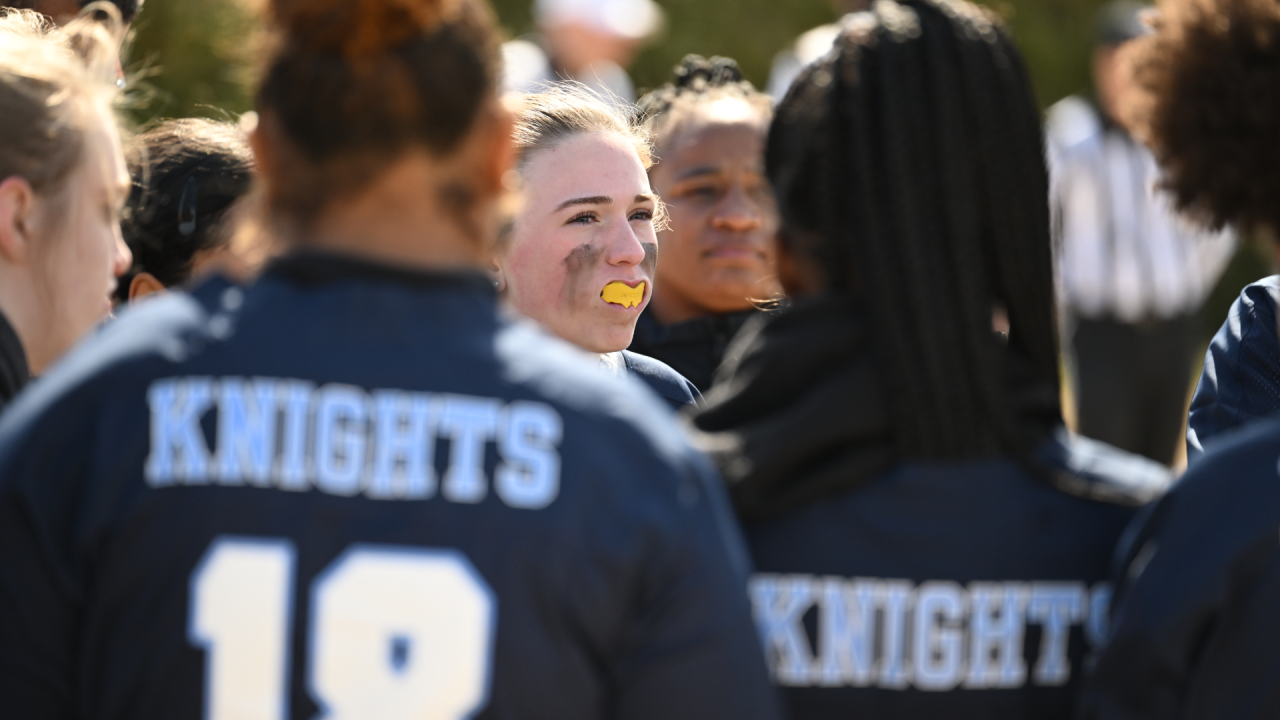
(194, 56)
(1055, 36)
(191, 58)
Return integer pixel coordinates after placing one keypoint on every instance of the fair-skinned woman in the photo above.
(587, 222)
(63, 183)
(579, 254)
(717, 260)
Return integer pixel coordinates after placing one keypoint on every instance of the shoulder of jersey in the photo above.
(165, 329)
(663, 378)
(1246, 457)
(1264, 291)
(1230, 496)
(573, 380)
(1095, 470)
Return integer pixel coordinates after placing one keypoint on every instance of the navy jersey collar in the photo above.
(14, 371)
(321, 267)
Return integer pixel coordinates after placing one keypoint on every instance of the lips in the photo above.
(733, 249)
(619, 293)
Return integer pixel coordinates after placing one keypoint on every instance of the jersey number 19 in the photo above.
(395, 632)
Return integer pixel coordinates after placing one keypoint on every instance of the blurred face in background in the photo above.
(80, 251)
(1113, 79)
(718, 254)
(581, 252)
(577, 46)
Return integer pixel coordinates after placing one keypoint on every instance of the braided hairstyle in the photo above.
(909, 167)
(696, 80)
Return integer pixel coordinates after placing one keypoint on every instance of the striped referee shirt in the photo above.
(1121, 251)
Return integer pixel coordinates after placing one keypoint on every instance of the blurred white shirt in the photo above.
(808, 48)
(1121, 250)
(527, 69)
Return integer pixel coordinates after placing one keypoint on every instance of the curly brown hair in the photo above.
(1209, 107)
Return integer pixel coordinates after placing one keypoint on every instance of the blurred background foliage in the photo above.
(196, 58)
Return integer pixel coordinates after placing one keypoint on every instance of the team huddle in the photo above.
(446, 404)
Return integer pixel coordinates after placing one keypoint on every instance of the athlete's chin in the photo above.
(607, 338)
(738, 293)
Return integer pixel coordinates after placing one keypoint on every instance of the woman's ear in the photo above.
(502, 150)
(143, 284)
(263, 153)
(17, 207)
(498, 275)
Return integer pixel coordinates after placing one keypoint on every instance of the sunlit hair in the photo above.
(695, 82)
(548, 119)
(1209, 109)
(52, 83)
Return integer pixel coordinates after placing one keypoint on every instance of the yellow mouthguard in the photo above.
(619, 294)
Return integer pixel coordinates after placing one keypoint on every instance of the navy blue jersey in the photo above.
(1240, 382)
(693, 348)
(950, 590)
(1196, 624)
(351, 491)
(13, 363)
(667, 383)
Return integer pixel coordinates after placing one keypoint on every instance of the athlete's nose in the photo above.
(738, 211)
(624, 247)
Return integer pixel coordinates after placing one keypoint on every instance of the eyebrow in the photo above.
(697, 172)
(602, 200)
(593, 200)
(711, 170)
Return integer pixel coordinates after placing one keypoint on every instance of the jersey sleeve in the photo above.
(1198, 600)
(40, 587)
(693, 650)
(1240, 381)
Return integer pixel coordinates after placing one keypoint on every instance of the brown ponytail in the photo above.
(353, 83)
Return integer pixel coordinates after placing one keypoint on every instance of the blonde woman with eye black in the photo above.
(580, 253)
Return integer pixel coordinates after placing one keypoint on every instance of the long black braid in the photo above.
(909, 164)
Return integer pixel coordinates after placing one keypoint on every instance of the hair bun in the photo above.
(696, 71)
(359, 28)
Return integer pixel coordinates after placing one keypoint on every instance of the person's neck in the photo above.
(18, 305)
(414, 215)
(673, 308)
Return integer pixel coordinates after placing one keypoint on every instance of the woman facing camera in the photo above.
(579, 255)
(62, 186)
(929, 541)
(717, 247)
